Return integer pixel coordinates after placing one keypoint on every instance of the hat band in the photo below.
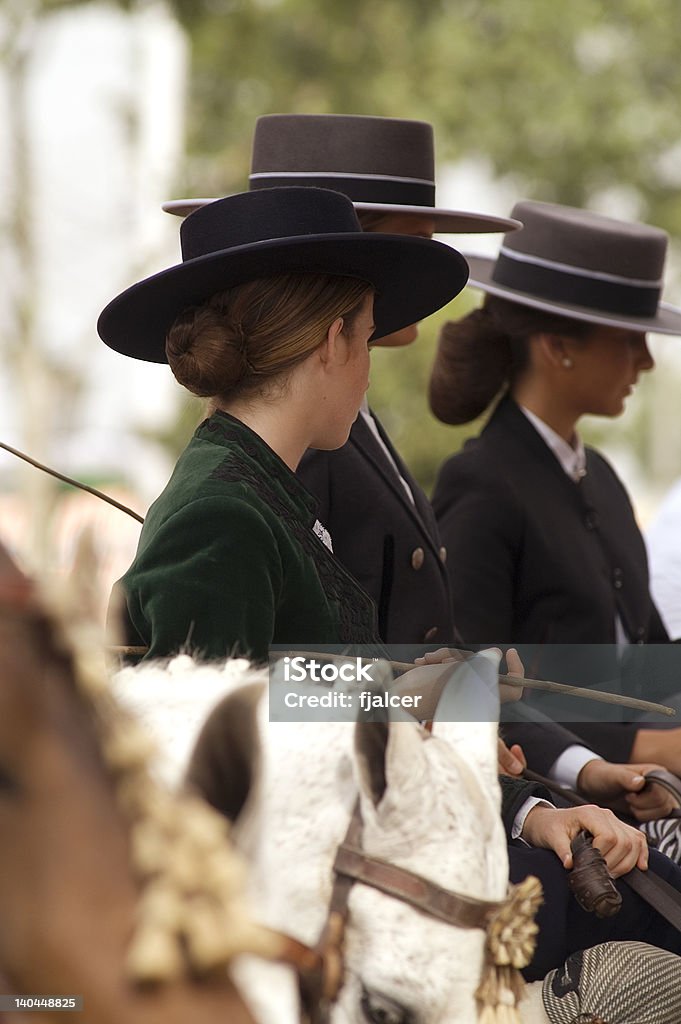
(369, 188)
(576, 288)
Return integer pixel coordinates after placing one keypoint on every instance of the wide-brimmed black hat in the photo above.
(582, 265)
(383, 164)
(283, 231)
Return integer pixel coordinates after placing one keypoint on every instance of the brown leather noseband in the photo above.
(321, 985)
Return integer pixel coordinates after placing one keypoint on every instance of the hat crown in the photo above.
(587, 242)
(383, 160)
(251, 217)
(343, 143)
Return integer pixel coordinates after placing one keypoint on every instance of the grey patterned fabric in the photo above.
(615, 983)
(665, 835)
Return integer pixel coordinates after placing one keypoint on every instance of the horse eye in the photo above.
(378, 1009)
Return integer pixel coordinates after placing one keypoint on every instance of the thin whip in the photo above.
(71, 482)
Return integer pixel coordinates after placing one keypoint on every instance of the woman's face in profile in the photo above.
(606, 368)
(418, 227)
(355, 374)
(336, 408)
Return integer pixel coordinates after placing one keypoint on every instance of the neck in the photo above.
(276, 423)
(549, 408)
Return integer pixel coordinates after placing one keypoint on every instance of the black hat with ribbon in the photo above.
(283, 231)
(384, 164)
(581, 265)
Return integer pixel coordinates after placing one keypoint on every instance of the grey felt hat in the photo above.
(581, 265)
(383, 164)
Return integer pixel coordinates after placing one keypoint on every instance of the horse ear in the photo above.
(468, 712)
(388, 753)
(226, 756)
(371, 744)
(471, 694)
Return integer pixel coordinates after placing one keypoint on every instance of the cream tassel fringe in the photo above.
(510, 946)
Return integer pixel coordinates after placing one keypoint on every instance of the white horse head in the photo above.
(429, 804)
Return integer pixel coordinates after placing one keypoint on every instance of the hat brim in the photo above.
(667, 321)
(446, 221)
(412, 277)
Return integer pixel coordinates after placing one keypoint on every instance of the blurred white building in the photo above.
(100, 138)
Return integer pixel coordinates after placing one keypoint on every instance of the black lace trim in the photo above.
(356, 611)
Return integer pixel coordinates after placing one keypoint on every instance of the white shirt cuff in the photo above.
(519, 820)
(565, 770)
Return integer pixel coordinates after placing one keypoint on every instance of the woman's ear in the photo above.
(332, 349)
(553, 350)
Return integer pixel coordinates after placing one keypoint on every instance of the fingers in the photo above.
(651, 802)
(514, 664)
(550, 829)
(511, 762)
(519, 753)
(510, 694)
(622, 846)
(647, 801)
(441, 655)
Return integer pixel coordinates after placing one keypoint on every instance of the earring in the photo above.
(567, 362)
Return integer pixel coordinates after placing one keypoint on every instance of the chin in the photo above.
(330, 444)
(399, 339)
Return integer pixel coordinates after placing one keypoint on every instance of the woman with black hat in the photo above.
(380, 522)
(543, 541)
(270, 315)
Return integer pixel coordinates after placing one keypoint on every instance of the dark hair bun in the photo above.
(206, 351)
(472, 364)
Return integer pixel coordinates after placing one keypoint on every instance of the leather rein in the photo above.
(321, 968)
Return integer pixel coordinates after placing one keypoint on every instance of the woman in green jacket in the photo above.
(269, 316)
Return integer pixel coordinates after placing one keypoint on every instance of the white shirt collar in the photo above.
(572, 459)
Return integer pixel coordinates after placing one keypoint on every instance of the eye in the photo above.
(378, 1009)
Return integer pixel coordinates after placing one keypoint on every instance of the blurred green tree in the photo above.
(573, 99)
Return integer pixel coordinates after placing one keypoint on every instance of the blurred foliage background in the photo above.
(575, 102)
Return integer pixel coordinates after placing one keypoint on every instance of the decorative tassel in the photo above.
(510, 946)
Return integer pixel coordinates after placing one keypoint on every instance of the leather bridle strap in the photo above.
(418, 892)
(319, 987)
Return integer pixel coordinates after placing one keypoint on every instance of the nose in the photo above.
(644, 359)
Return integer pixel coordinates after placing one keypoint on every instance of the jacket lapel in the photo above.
(364, 441)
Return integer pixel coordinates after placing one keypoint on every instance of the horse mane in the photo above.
(191, 921)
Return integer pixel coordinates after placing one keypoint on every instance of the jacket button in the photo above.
(617, 579)
(430, 634)
(590, 520)
(443, 554)
(417, 558)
